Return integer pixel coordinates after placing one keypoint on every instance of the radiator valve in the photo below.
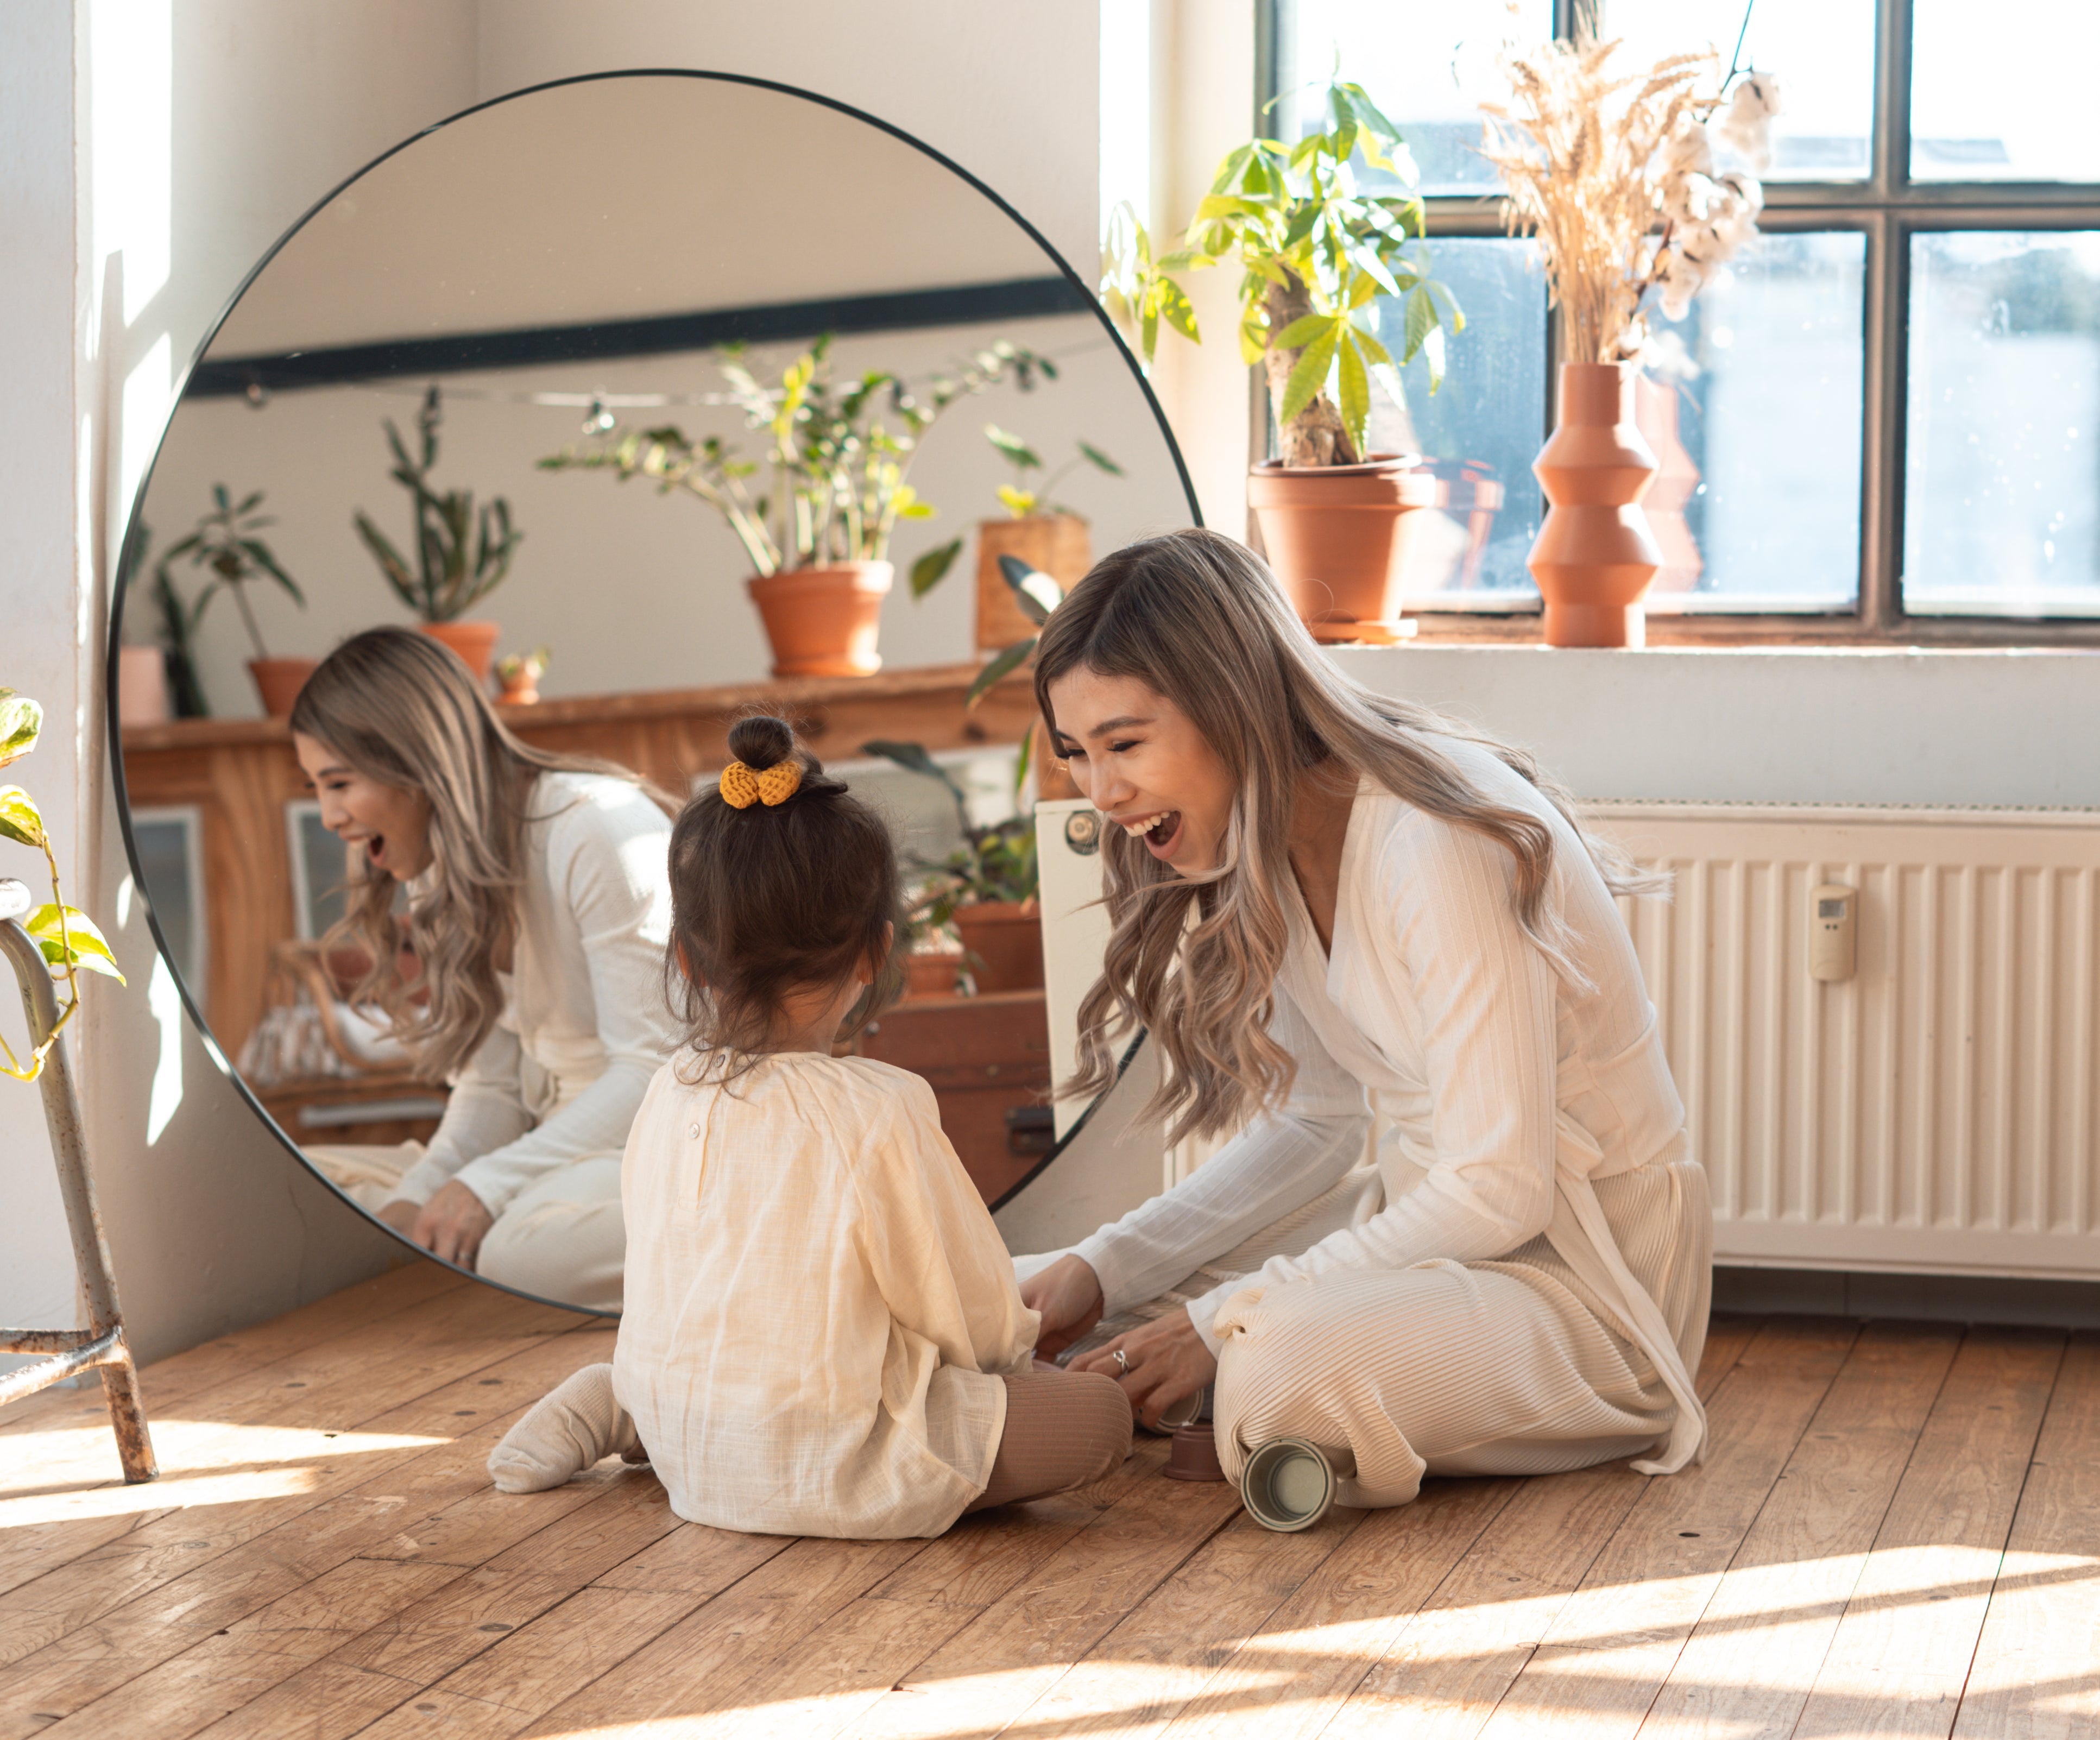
(1833, 932)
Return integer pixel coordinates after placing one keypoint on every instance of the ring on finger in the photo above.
(1121, 1360)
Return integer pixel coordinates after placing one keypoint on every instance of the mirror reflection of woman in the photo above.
(538, 912)
(1325, 901)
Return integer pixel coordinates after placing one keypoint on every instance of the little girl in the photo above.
(822, 1333)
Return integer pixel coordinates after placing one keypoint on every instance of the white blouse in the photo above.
(1509, 1088)
(586, 1023)
(817, 1307)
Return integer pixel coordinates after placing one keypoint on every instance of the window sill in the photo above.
(1669, 629)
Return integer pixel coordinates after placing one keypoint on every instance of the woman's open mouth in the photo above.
(1159, 830)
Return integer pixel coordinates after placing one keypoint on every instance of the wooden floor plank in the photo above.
(1613, 1643)
(1901, 1654)
(100, 1621)
(1753, 1658)
(2037, 1668)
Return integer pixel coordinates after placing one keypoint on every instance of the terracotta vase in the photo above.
(932, 973)
(1595, 557)
(1005, 938)
(1676, 482)
(141, 686)
(1338, 537)
(278, 682)
(520, 690)
(474, 641)
(822, 622)
(1055, 543)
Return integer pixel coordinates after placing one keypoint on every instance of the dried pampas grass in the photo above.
(1613, 176)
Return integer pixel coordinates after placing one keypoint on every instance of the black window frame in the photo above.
(1888, 208)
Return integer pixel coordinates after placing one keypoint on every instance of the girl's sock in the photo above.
(573, 1427)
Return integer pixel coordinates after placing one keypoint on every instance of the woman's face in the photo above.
(1140, 761)
(390, 823)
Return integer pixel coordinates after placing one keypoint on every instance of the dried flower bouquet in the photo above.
(1616, 179)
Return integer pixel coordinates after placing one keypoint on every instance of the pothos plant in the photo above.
(66, 936)
(1316, 250)
(995, 862)
(461, 557)
(835, 456)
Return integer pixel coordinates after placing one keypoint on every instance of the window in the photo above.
(1883, 423)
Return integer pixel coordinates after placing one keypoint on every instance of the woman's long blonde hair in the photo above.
(1200, 619)
(402, 710)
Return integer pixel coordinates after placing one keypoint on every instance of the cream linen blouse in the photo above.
(1509, 1088)
(818, 1308)
(585, 1022)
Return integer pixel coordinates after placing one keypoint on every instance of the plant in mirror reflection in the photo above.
(64, 935)
(832, 484)
(996, 861)
(228, 542)
(454, 569)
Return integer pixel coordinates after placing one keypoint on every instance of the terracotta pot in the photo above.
(1595, 557)
(822, 622)
(1006, 939)
(474, 641)
(141, 686)
(520, 691)
(1675, 483)
(279, 680)
(1055, 543)
(932, 973)
(1337, 537)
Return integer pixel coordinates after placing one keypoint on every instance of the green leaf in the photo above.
(1368, 113)
(20, 820)
(1354, 401)
(1303, 331)
(1368, 341)
(89, 949)
(1099, 460)
(1180, 312)
(1432, 350)
(1020, 503)
(1001, 664)
(1421, 320)
(1441, 291)
(21, 720)
(1310, 376)
(1016, 451)
(1034, 591)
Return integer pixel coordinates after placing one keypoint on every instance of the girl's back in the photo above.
(817, 1307)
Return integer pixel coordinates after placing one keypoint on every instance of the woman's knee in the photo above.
(565, 1256)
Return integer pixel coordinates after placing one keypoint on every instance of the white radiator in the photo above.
(1938, 1111)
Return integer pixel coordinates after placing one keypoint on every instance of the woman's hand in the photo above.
(452, 1223)
(1069, 1295)
(1163, 1363)
(401, 1215)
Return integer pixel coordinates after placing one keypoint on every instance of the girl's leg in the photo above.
(574, 1427)
(1063, 1429)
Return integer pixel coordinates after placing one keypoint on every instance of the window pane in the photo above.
(1998, 93)
(1482, 429)
(1822, 50)
(2000, 477)
(1766, 461)
(1429, 68)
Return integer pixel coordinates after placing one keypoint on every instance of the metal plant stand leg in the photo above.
(101, 1342)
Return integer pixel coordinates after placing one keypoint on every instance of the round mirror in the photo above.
(523, 383)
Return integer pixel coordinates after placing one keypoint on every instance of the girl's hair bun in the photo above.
(761, 742)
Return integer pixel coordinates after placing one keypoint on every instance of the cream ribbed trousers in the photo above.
(1511, 1366)
(560, 1239)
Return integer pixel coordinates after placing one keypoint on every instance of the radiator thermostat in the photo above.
(1833, 932)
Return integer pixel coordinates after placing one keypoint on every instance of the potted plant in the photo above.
(65, 936)
(1616, 178)
(227, 541)
(1315, 250)
(518, 677)
(818, 537)
(985, 888)
(1039, 532)
(460, 556)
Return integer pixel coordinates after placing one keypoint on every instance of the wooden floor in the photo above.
(1898, 1532)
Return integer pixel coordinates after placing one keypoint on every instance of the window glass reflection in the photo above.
(2002, 494)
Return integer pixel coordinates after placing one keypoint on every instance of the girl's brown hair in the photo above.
(775, 898)
(1200, 619)
(404, 710)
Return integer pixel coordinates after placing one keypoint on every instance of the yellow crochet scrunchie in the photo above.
(742, 786)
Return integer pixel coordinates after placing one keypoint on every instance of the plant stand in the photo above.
(102, 1342)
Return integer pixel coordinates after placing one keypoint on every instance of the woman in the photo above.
(1319, 895)
(538, 911)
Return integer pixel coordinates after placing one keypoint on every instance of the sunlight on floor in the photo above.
(202, 1461)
